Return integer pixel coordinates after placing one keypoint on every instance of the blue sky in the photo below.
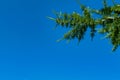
(29, 51)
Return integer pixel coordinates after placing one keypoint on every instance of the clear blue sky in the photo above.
(29, 51)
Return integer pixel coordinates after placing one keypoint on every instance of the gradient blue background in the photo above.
(29, 51)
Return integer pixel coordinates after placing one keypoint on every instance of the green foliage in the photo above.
(79, 23)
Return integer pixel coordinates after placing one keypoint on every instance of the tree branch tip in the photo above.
(51, 18)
